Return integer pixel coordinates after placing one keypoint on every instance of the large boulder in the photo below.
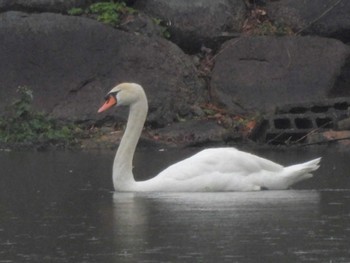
(71, 62)
(42, 5)
(323, 17)
(197, 22)
(260, 73)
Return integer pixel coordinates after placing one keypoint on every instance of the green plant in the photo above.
(270, 28)
(24, 125)
(109, 12)
(164, 29)
(75, 11)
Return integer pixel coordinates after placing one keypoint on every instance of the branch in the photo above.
(320, 16)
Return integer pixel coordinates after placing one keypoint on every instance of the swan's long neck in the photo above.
(123, 178)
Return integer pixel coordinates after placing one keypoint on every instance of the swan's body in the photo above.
(217, 169)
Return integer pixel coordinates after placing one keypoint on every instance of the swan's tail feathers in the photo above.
(303, 171)
(310, 166)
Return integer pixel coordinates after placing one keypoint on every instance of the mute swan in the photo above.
(216, 169)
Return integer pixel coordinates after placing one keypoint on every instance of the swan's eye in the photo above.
(111, 94)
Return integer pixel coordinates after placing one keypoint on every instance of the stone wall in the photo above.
(214, 53)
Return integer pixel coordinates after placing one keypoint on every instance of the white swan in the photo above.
(217, 169)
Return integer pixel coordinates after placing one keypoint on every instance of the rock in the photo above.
(139, 23)
(57, 6)
(340, 137)
(198, 22)
(323, 17)
(342, 84)
(71, 62)
(343, 124)
(193, 133)
(260, 73)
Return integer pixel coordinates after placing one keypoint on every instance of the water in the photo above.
(60, 207)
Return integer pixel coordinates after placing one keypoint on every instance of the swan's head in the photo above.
(123, 94)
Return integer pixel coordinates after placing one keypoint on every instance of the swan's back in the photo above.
(227, 169)
(219, 160)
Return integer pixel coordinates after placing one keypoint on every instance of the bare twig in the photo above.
(276, 137)
(223, 49)
(313, 131)
(288, 141)
(320, 16)
(326, 142)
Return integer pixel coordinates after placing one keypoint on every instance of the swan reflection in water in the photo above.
(204, 226)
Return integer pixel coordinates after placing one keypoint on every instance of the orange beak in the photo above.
(110, 102)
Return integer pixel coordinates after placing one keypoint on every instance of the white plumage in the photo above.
(216, 169)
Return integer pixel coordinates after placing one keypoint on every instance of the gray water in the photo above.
(60, 207)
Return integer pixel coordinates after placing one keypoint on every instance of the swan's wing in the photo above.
(219, 161)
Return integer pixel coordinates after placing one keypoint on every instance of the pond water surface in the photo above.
(60, 207)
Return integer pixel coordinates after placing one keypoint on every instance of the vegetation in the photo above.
(259, 23)
(268, 28)
(107, 12)
(24, 125)
(112, 13)
(244, 124)
(163, 27)
(75, 11)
